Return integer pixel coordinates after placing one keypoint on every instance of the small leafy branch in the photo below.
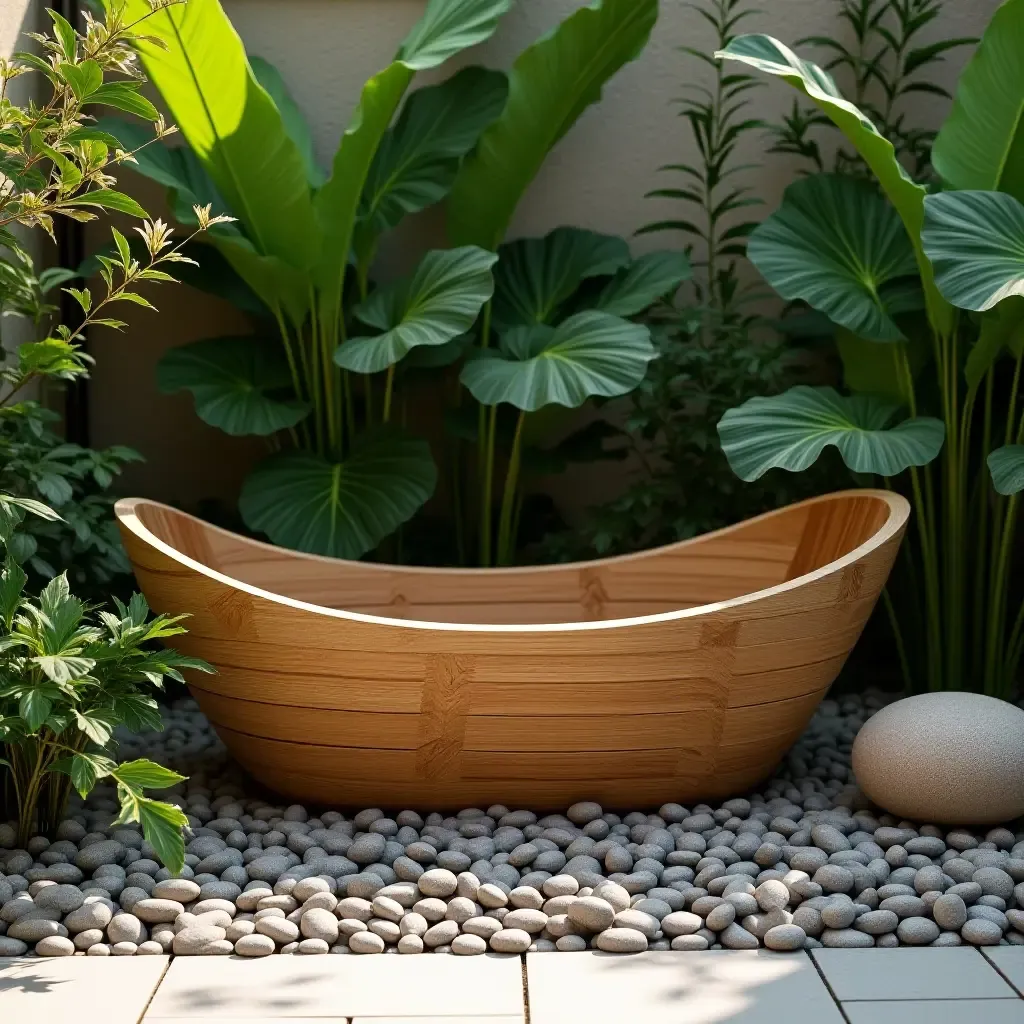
(69, 676)
(886, 63)
(713, 190)
(53, 158)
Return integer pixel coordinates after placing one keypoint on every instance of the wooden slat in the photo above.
(700, 701)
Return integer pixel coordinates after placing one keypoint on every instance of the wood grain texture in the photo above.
(683, 673)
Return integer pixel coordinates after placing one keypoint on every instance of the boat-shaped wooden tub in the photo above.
(678, 674)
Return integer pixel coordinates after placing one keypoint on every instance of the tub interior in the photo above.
(752, 556)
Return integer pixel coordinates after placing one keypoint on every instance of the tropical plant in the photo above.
(325, 379)
(886, 63)
(713, 350)
(925, 293)
(54, 161)
(70, 673)
(69, 676)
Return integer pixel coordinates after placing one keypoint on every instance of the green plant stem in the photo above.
(388, 389)
(292, 365)
(491, 429)
(506, 537)
(984, 509)
(368, 399)
(924, 507)
(350, 409)
(483, 443)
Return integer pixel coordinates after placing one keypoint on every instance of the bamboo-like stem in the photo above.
(490, 428)
(985, 509)
(925, 517)
(506, 539)
(388, 389)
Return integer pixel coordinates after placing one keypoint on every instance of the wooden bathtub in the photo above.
(678, 674)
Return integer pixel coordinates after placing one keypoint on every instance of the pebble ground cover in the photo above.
(803, 862)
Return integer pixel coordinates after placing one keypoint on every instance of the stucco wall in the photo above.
(596, 178)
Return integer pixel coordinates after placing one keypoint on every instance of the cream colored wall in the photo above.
(596, 178)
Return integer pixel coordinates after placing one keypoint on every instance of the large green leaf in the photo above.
(981, 145)
(975, 241)
(420, 156)
(291, 116)
(1007, 468)
(446, 27)
(638, 286)
(789, 431)
(197, 61)
(774, 58)
(537, 276)
(590, 354)
(551, 84)
(438, 303)
(837, 244)
(303, 501)
(241, 385)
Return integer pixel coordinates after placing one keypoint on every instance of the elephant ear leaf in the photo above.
(241, 385)
(551, 84)
(1007, 468)
(790, 431)
(840, 247)
(981, 144)
(975, 241)
(774, 58)
(420, 156)
(590, 354)
(645, 281)
(537, 276)
(440, 302)
(291, 116)
(303, 501)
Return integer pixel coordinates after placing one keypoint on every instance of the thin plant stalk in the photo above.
(491, 428)
(506, 536)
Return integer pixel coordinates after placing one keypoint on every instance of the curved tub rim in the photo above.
(899, 513)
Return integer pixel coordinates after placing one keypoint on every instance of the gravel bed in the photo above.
(802, 863)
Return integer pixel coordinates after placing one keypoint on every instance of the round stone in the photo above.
(737, 937)
(950, 912)
(153, 911)
(438, 882)
(689, 943)
(981, 932)
(785, 937)
(511, 940)
(917, 931)
(410, 944)
(468, 945)
(845, 938)
(571, 944)
(532, 921)
(681, 922)
(63, 898)
(366, 942)
(182, 890)
(591, 913)
(953, 757)
(55, 945)
(319, 924)
(622, 940)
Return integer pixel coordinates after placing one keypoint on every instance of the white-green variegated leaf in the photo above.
(975, 241)
(591, 354)
(839, 246)
(1007, 468)
(438, 303)
(790, 431)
